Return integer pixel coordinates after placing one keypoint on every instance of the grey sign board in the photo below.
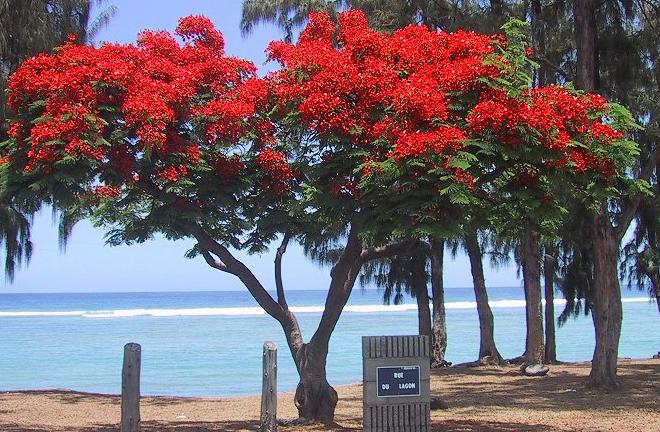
(396, 383)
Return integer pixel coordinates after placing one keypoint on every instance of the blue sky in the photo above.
(88, 265)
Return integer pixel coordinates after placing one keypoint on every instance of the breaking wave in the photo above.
(255, 311)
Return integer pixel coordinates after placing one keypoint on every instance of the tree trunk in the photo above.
(531, 265)
(487, 349)
(439, 315)
(315, 398)
(420, 290)
(538, 41)
(586, 33)
(549, 285)
(606, 308)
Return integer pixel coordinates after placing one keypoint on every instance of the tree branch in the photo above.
(343, 276)
(628, 214)
(281, 299)
(376, 252)
(215, 263)
(230, 264)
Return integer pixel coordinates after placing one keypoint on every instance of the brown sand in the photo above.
(485, 399)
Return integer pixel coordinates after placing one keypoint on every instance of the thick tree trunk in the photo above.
(439, 315)
(420, 290)
(487, 350)
(549, 285)
(531, 265)
(606, 308)
(586, 43)
(315, 398)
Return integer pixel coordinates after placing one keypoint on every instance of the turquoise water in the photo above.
(209, 343)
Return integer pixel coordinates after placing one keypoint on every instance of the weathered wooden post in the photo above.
(130, 388)
(269, 389)
(396, 383)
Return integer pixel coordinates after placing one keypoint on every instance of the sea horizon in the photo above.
(208, 343)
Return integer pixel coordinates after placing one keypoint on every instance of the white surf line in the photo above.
(256, 311)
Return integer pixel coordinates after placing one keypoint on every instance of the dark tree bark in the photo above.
(549, 285)
(488, 352)
(538, 38)
(531, 265)
(315, 398)
(606, 308)
(586, 43)
(420, 290)
(497, 8)
(439, 315)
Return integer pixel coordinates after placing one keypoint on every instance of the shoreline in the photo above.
(454, 367)
(489, 399)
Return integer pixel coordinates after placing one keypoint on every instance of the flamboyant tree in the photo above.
(364, 136)
(171, 139)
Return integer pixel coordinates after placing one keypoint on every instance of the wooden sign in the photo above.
(396, 383)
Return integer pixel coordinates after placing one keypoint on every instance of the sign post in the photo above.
(396, 383)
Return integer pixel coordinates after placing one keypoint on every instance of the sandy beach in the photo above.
(489, 399)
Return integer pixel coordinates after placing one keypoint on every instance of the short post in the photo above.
(269, 389)
(130, 388)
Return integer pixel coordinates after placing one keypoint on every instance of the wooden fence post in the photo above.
(130, 388)
(269, 389)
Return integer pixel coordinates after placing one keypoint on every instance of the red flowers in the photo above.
(278, 172)
(555, 115)
(104, 192)
(179, 116)
(402, 80)
(122, 108)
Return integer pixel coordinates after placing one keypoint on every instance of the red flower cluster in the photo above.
(555, 115)
(440, 140)
(278, 172)
(104, 192)
(148, 95)
(172, 174)
(160, 111)
(228, 168)
(377, 86)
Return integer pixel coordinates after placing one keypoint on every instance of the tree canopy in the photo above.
(374, 137)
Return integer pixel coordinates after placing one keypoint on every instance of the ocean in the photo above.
(210, 343)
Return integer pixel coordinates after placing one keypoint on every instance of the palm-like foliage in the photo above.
(387, 15)
(289, 15)
(15, 237)
(28, 27)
